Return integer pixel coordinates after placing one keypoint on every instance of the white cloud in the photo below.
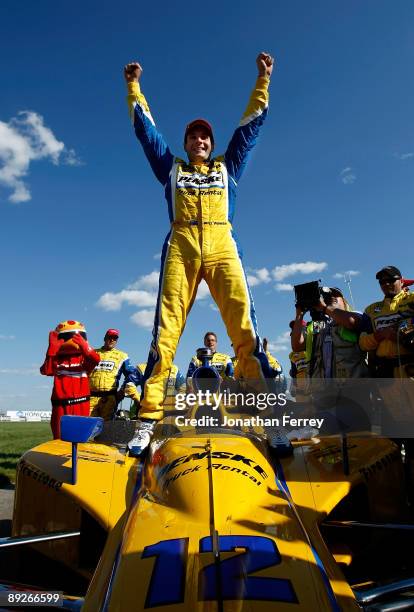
(147, 281)
(5, 337)
(143, 292)
(24, 139)
(156, 256)
(143, 318)
(214, 307)
(279, 273)
(281, 343)
(347, 176)
(70, 158)
(257, 277)
(283, 287)
(347, 273)
(113, 301)
(203, 291)
(404, 156)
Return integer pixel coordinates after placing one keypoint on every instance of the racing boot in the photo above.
(142, 437)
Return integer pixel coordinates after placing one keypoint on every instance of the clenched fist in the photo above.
(132, 72)
(265, 64)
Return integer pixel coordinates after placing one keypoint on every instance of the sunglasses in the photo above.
(68, 335)
(112, 337)
(387, 280)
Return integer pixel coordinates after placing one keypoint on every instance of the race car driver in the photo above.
(201, 196)
(104, 379)
(69, 359)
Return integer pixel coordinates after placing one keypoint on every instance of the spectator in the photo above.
(220, 361)
(390, 358)
(391, 354)
(69, 359)
(104, 379)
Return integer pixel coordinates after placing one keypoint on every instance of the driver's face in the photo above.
(210, 342)
(198, 145)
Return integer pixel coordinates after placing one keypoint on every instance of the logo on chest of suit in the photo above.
(388, 320)
(196, 180)
(105, 366)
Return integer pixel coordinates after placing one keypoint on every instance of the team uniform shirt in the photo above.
(106, 375)
(220, 361)
(104, 381)
(279, 382)
(273, 362)
(275, 369)
(299, 365)
(201, 243)
(380, 315)
(392, 360)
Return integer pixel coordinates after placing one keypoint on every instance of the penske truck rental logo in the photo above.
(196, 180)
(105, 366)
(241, 460)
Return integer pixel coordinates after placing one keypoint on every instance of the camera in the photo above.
(307, 295)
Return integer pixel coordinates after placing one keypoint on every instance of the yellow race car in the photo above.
(214, 518)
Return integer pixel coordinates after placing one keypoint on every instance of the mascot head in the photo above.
(66, 330)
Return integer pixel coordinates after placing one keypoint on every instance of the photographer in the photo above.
(330, 340)
(333, 355)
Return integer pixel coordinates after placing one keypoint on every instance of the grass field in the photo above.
(15, 439)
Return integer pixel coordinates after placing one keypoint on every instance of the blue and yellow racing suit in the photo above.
(200, 244)
(390, 359)
(390, 312)
(104, 381)
(222, 363)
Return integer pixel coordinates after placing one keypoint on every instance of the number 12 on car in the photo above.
(229, 580)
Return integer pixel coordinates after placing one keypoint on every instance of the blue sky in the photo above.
(331, 181)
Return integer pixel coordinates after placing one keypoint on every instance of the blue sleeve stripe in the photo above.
(155, 148)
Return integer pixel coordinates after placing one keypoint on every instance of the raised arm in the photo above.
(245, 135)
(49, 365)
(153, 143)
